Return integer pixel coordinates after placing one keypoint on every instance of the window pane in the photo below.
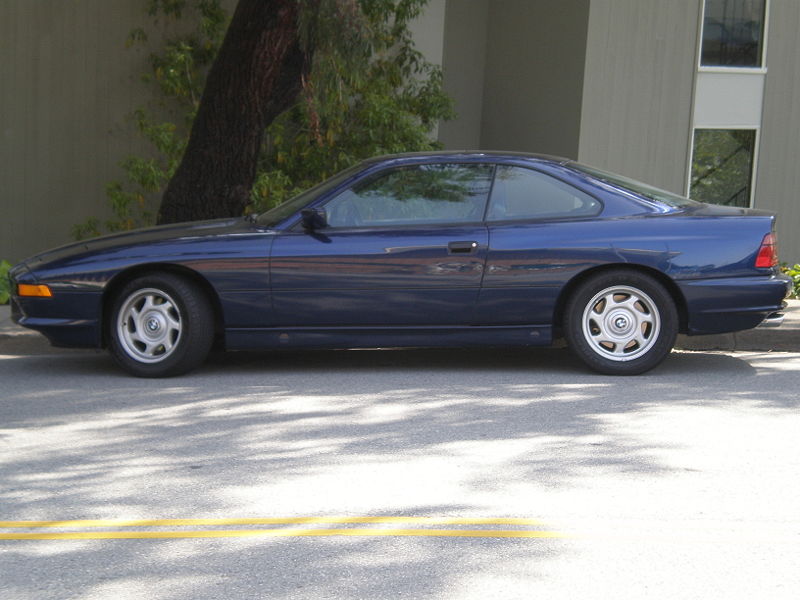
(638, 187)
(525, 194)
(441, 193)
(722, 166)
(733, 33)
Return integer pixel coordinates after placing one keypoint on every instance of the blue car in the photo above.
(416, 250)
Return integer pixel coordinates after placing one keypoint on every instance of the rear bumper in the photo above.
(775, 319)
(734, 304)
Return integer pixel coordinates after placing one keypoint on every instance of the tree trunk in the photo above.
(257, 75)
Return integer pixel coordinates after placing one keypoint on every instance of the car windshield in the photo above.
(277, 214)
(637, 187)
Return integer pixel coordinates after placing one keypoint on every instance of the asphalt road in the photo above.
(518, 473)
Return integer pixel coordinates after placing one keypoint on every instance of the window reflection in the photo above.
(439, 193)
(525, 194)
(733, 33)
(722, 166)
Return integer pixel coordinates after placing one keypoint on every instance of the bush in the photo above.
(794, 273)
(5, 284)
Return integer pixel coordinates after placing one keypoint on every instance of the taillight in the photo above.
(767, 256)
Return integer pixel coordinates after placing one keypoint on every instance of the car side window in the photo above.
(520, 193)
(418, 195)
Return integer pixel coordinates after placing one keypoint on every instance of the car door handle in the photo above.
(462, 247)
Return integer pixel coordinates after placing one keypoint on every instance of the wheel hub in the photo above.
(153, 325)
(620, 324)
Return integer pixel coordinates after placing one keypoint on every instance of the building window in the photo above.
(722, 166)
(733, 33)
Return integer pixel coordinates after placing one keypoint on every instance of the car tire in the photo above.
(160, 325)
(621, 322)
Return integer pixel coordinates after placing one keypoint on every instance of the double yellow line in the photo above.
(395, 530)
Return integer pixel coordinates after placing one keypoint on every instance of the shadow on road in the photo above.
(298, 433)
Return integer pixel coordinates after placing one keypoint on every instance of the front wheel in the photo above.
(621, 322)
(160, 325)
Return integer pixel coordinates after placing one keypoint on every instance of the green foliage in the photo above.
(794, 273)
(5, 284)
(363, 99)
(369, 92)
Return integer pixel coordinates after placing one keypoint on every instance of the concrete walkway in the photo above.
(785, 338)
(7, 327)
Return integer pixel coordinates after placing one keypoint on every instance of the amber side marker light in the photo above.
(34, 291)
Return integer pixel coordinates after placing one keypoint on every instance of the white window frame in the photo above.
(718, 69)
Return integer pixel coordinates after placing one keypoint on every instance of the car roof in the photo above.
(468, 155)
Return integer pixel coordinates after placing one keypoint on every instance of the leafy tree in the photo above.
(257, 74)
(357, 87)
(381, 97)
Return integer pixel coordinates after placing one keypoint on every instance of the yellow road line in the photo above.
(267, 521)
(116, 535)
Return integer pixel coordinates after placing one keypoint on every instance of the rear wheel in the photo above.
(160, 325)
(621, 322)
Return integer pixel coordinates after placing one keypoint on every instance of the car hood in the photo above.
(148, 237)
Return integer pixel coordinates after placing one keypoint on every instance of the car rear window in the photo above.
(520, 193)
(637, 187)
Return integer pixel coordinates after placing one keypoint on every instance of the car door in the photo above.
(402, 247)
(541, 234)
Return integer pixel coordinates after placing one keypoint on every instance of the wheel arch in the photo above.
(121, 279)
(671, 287)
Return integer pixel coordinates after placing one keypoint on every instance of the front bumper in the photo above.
(67, 320)
(70, 319)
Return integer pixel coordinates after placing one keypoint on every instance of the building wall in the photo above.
(534, 75)
(641, 62)
(67, 84)
(464, 65)
(778, 175)
(428, 31)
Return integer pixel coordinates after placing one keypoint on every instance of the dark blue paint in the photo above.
(284, 287)
(383, 337)
(389, 277)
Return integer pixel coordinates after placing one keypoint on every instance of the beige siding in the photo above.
(638, 89)
(464, 64)
(428, 31)
(534, 75)
(68, 83)
(778, 177)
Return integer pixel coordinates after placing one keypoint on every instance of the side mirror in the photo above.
(314, 218)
